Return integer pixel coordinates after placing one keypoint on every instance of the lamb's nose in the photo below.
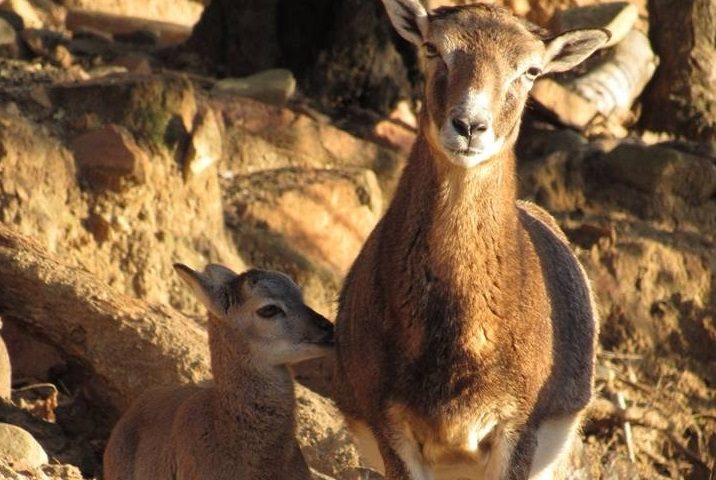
(468, 126)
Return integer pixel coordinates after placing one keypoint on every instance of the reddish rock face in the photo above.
(326, 214)
(108, 153)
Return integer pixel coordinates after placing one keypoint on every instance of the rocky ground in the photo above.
(113, 166)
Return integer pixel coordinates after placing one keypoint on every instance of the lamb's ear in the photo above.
(219, 273)
(572, 48)
(409, 18)
(204, 288)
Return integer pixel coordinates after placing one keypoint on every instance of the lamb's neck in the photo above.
(472, 215)
(252, 400)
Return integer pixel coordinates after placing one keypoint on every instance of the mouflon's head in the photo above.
(480, 62)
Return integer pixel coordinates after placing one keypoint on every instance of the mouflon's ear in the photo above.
(219, 273)
(571, 48)
(208, 291)
(409, 18)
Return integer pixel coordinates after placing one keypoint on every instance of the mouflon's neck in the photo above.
(249, 397)
(469, 215)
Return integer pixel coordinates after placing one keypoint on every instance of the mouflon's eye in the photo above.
(431, 50)
(532, 73)
(269, 311)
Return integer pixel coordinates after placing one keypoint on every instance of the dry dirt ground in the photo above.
(642, 219)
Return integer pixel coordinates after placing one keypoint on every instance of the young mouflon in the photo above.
(466, 331)
(242, 427)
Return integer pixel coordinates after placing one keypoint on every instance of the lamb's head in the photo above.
(480, 64)
(266, 309)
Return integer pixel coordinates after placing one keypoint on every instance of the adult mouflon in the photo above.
(243, 426)
(466, 328)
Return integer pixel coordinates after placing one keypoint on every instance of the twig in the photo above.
(644, 388)
(609, 355)
(621, 403)
(35, 386)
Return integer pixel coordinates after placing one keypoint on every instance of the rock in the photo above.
(39, 95)
(25, 10)
(62, 57)
(135, 63)
(325, 214)
(145, 37)
(13, 19)
(184, 13)
(128, 344)
(5, 371)
(19, 446)
(31, 357)
(271, 86)
(662, 171)
(569, 107)
(394, 135)
(157, 110)
(206, 145)
(107, 71)
(262, 137)
(108, 154)
(322, 435)
(9, 46)
(615, 82)
(609, 87)
(41, 42)
(168, 33)
(617, 17)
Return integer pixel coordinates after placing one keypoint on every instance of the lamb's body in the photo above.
(211, 432)
(242, 426)
(466, 327)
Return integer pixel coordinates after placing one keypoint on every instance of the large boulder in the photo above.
(18, 446)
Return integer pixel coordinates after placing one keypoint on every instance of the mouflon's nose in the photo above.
(467, 127)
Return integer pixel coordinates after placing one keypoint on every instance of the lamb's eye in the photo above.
(532, 73)
(269, 311)
(431, 50)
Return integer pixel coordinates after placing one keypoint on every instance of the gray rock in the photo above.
(18, 446)
(662, 171)
(270, 86)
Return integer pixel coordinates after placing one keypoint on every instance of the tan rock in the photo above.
(325, 442)
(569, 107)
(19, 446)
(5, 371)
(206, 145)
(181, 12)
(395, 135)
(169, 33)
(109, 153)
(25, 9)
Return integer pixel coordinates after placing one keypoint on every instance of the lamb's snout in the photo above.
(325, 332)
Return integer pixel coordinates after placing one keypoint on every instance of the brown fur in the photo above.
(464, 302)
(241, 427)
